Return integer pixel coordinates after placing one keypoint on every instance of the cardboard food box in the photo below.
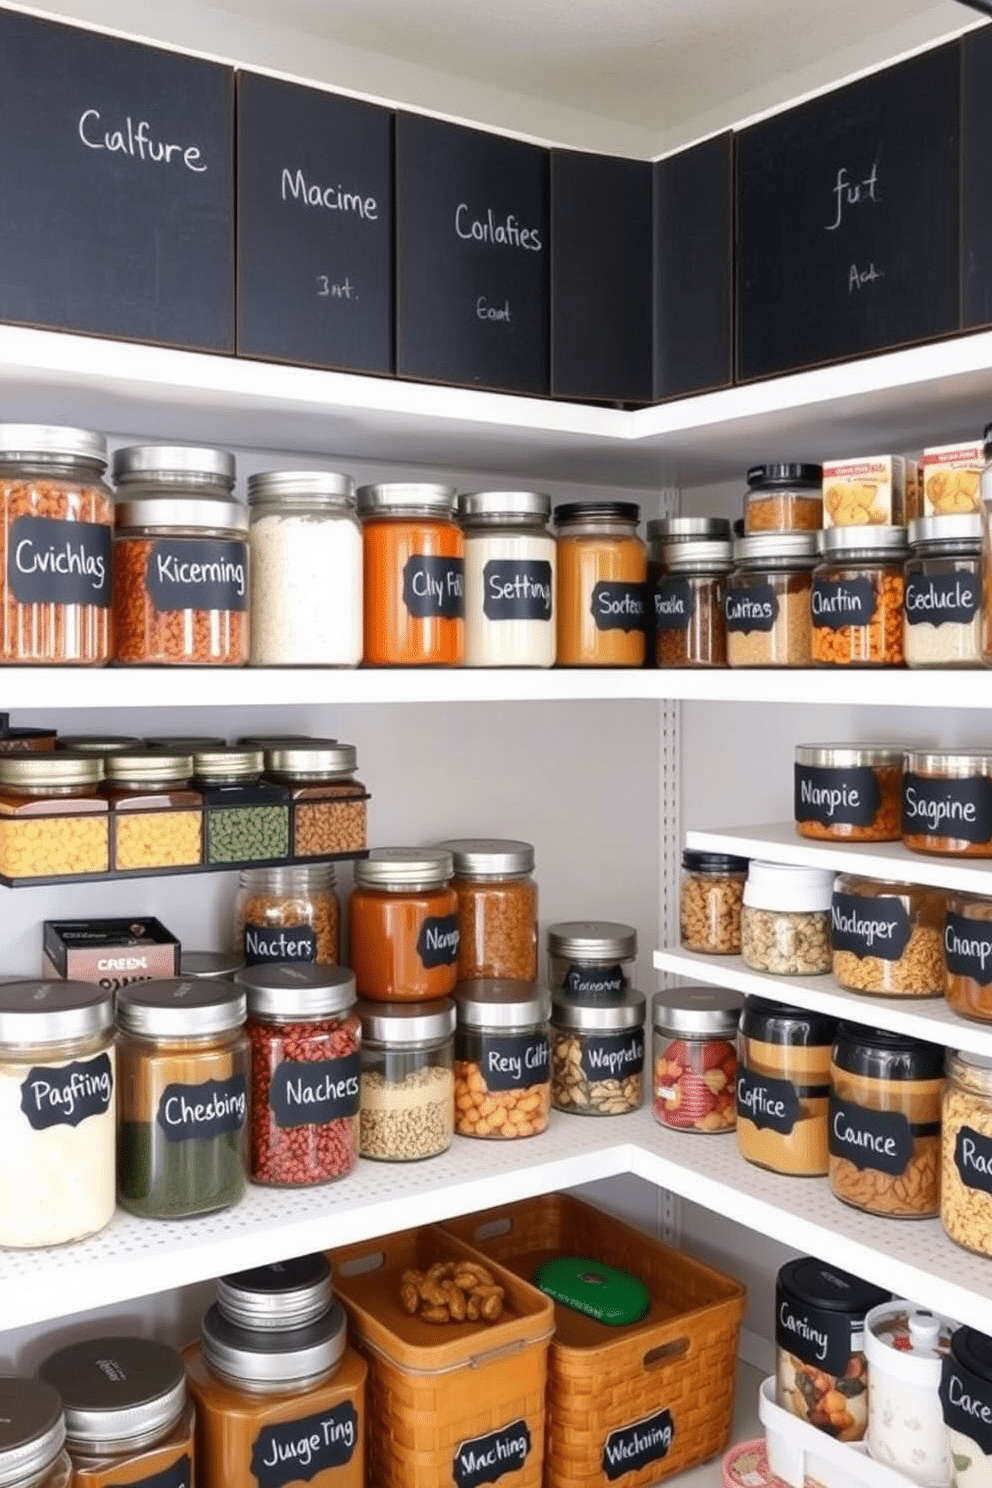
(952, 475)
(109, 952)
(914, 490)
(866, 492)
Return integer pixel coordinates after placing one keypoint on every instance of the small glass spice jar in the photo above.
(695, 1058)
(305, 1036)
(32, 1436)
(245, 819)
(943, 600)
(966, 1151)
(127, 1412)
(56, 534)
(905, 1348)
(597, 1054)
(783, 1087)
(849, 792)
(784, 497)
(968, 956)
(710, 898)
(510, 562)
(157, 820)
(414, 587)
(592, 958)
(966, 1403)
(502, 1059)
(785, 919)
(887, 939)
(689, 622)
(946, 802)
(57, 1112)
(766, 605)
(885, 1097)
(328, 813)
(856, 603)
(602, 574)
(497, 907)
(403, 925)
(183, 1101)
(408, 1083)
(288, 914)
(306, 569)
(53, 821)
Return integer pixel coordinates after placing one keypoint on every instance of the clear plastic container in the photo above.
(502, 1059)
(943, 599)
(946, 802)
(695, 1058)
(783, 1087)
(157, 820)
(497, 907)
(403, 934)
(602, 574)
(510, 566)
(408, 1083)
(32, 1433)
(783, 497)
(689, 622)
(54, 823)
(849, 792)
(597, 1055)
(592, 958)
(856, 602)
(710, 899)
(288, 914)
(968, 956)
(328, 813)
(887, 939)
(766, 606)
(785, 919)
(414, 564)
(966, 1151)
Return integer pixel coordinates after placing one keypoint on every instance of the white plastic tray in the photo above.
(797, 1451)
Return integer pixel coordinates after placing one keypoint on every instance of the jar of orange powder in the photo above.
(403, 925)
(414, 575)
(602, 574)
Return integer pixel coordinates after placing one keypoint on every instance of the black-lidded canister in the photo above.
(966, 1400)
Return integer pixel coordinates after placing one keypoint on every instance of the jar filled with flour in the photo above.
(509, 579)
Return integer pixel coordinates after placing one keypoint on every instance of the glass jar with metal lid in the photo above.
(502, 1059)
(288, 914)
(414, 561)
(497, 907)
(281, 1296)
(767, 600)
(328, 812)
(57, 1112)
(946, 802)
(157, 820)
(784, 497)
(403, 925)
(849, 792)
(664, 532)
(100, 744)
(408, 1090)
(170, 470)
(710, 898)
(54, 823)
(602, 575)
(856, 603)
(510, 560)
(183, 1107)
(306, 569)
(180, 590)
(128, 1415)
(57, 529)
(968, 956)
(695, 1058)
(592, 958)
(245, 819)
(208, 966)
(689, 621)
(966, 1151)
(32, 1436)
(887, 938)
(597, 1054)
(305, 1036)
(943, 599)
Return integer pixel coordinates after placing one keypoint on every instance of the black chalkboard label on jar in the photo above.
(869, 926)
(513, 1063)
(437, 943)
(835, 603)
(834, 795)
(942, 599)
(771, 1104)
(176, 1476)
(188, 1113)
(973, 1159)
(943, 807)
(617, 606)
(750, 607)
(595, 981)
(964, 1397)
(486, 1459)
(312, 1093)
(632, 1448)
(879, 1140)
(613, 1056)
(672, 604)
(262, 943)
(814, 1335)
(434, 587)
(65, 1095)
(198, 573)
(517, 589)
(59, 563)
(968, 947)
(296, 1451)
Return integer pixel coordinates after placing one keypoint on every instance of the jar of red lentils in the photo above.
(305, 1077)
(403, 926)
(414, 588)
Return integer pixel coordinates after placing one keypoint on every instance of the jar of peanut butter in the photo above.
(602, 579)
(783, 1088)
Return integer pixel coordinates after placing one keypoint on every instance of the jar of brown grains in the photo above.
(689, 622)
(328, 811)
(710, 900)
(767, 600)
(887, 938)
(497, 907)
(783, 497)
(288, 914)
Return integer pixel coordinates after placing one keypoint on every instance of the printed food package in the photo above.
(951, 477)
(869, 491)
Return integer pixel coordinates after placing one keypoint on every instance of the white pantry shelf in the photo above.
(927, 1018)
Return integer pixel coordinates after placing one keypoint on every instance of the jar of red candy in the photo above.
(305, 1080)
(695, 1058)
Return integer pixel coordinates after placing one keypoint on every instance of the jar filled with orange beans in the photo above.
(414, 588)
(403, 925)
(856, 603)
(602, 584)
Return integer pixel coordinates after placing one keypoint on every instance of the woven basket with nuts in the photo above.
(452, 1292)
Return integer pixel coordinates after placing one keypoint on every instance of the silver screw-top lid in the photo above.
(138, 463)
(117, 1392)
(960, 527)
(208, 965)
(180, 1007)
(198, 512)
(589, 1017)
(592, 940)
(148, 767)
(489, 857)
(99, 743)
(500, 1002)
(296, 989)
(405, 496)
(186, 743)
(32, 1428)
(678, 529)
(312, 760)
(282, 741)
(504, 504)
(882, 542)
(310, 487)
(229, 763)
(406, 1023)
(690, 556)
(848, 756)
(287, 1294)
(711, 1012)
(21, 441)
(404, 868)
(51, 1011)
(759, 546)
(52, 770)
(270, 1357)
(952, 762)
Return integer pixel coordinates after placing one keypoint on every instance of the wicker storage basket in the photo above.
(626, 1406)
(435, 1393)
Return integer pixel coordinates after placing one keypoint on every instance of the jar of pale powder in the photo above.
(767, 600)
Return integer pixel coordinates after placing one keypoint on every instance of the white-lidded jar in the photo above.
(509, 578)
(905, 1347)
(785, 919)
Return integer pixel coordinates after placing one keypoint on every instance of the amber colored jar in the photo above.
(946, 802)
(414, 579)
(783, 497)
(602, 577)
(783, 1088)
(968, 956)
(497, 907)
(856, 603)
(403, 925)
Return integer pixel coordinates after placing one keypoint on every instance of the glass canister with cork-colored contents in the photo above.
(689, 619)
(946, 802)
(602, 578)
(408, 1092)
(328, 813)
(288, 914)
(414, 585)
(502, 1059)
(849, 792)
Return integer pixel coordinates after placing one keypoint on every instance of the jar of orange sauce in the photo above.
(403, 925)
(414, 575)
(602, 574)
